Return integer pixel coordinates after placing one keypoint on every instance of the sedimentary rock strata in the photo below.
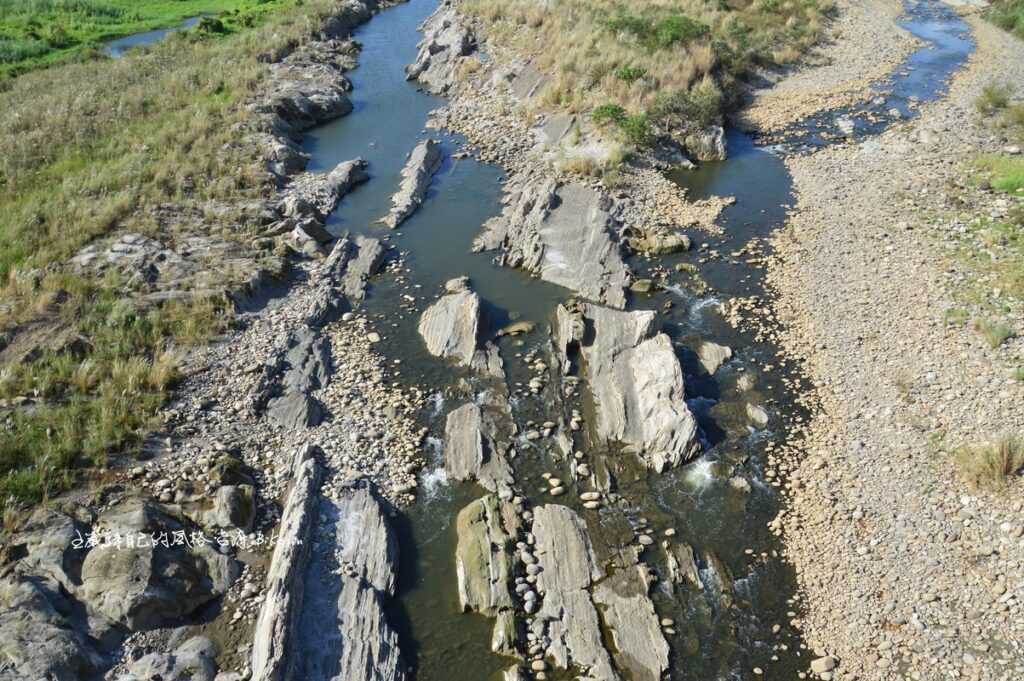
(635, 380)
(424, 161)
(476, 443)
(451, 328)
(447, 39)
(487, 529)
(291, 375)
(563, 233)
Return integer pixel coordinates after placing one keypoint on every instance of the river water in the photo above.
(118, 47)
(718, 638)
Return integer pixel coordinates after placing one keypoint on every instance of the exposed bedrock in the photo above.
(342, 279)
(317, 194)
(635, 380)
(564, 234)
(274, 645)
(350, 576)
(477, 437)
(597, 617)
(487, 530)
(424, 161)
(451, 329)
(298, 367)
(447, 39)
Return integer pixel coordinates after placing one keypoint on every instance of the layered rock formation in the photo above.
(564, 234)
(447, 39)
(424, 161)
(274, 647)
(290, 376)
(451, 329)
(635, 380)
(351, 576)
(476, 442)
(487, 530)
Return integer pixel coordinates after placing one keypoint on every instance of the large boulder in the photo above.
(451, 329)
(193, 660)
(635, 380)
(476, 443)
(134, 579)
(38, 639)
(707, 144)
(487, 531)
(300, 365)
(564, 234)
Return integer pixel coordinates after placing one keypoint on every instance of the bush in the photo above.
(638, 130)
(661, 34)
(989, 466)
(630, 74)
(993, 98)
(1008, 15)
(608, 113)
(995, 333)
(701, 105)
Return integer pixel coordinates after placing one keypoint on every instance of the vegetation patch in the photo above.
(1008, 15)
(991, 466)
(660, 62)
(994, 332)
(133, 136)
(36, 33)
(1003, 173)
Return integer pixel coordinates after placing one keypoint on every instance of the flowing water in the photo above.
(118, 47)
(719, 504)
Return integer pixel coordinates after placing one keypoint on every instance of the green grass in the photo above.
(91, 147)
(991, 466)
(36, 33)
(1008, 15)
(1004, 173)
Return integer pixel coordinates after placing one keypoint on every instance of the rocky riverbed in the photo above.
(621, 463)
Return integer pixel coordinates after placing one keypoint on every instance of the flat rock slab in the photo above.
(297, 368)
(635, 380)
(564, 234)
(487, 530)
(424, 161)
(476, 443)
(350, 576)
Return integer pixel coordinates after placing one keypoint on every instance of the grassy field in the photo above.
(663, 65)
(36, 33)
(89, 148)
(1009, 15)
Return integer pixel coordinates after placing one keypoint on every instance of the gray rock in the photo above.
(447, 39)
(635, 380)
(487, 529)
(682, 566)
(273, 657)
(757, 415)
(289, 378)
(451, 328)
(194, 660)
(639, 647)
(476, 443)
(567, 616)
(315, 195)
(345, 633)
(424, 161)
(660, 243)
(713, 355)
(369, 255)
(563, 234)
(234, 507)
(151, 585)
(37, 640)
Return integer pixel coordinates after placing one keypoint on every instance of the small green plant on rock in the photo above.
(990, 466)
(956, 316)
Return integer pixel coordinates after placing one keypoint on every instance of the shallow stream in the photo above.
(718, 638)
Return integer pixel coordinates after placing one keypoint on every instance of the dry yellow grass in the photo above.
(601, 52)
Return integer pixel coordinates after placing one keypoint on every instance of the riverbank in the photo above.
(903, 569)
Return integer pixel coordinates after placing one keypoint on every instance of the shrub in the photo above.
(701, 105)
(994, 97)
(608, 113)
(1008, 15)
(989, 466)
(995, 333)
(661, 34)
(630, 74)
(638, 130)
